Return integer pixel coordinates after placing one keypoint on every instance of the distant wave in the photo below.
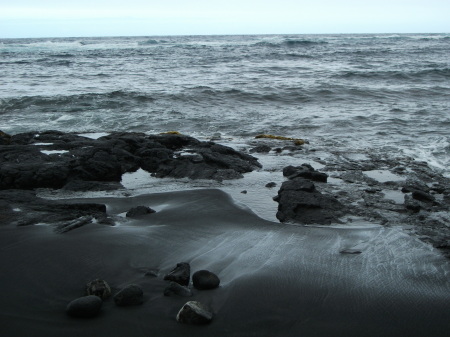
(74, 103)
(290, 43)
(435, 73)
(147, 42)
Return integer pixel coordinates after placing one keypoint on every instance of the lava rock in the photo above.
(194, 312)
(304, 171)
(204, 280)
(98, 288)
(299, 201)
(130, 295)
(106, 159)
(85, 307)
(261, 149)
(422, 196)
(177, 289)
(139, 211)
(181, 274)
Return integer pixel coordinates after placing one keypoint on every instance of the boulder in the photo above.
(271, 184)
(422, 196)
(130, 295)
(204, 280)
(181, 274)
(194, 312)
(98, 288)
(85, 307)
(177, 289)
(299, 201)
(139, 211)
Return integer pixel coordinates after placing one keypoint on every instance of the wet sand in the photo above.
(276, 279)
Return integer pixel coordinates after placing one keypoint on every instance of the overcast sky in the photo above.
(54, 18)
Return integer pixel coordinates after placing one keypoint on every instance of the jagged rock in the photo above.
(130, 295)
(63, 215)
(98, 288)
(261, 149)
(299, 201)
(85, 307)
(304, 171)
(27, 165)
(139, 211)
(422, 196)
(194, 312)
(177, 289)
(181, 274)
(204, 280)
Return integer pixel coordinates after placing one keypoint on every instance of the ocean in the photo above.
(385, 93)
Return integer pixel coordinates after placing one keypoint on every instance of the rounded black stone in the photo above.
(85, 307)
(204, 280)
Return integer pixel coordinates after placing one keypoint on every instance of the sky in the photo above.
(81, 18)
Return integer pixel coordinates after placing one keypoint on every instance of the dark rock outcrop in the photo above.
(53, 159)
(194, 312)
(299, 201)
(204, 280)
(304, 171)
(130, 295)
(85, 307)
(181, 274)
(261, 149)
(23, 207)
(139, 211)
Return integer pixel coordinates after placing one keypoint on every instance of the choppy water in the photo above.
(387, 93)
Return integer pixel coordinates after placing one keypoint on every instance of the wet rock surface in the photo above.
(84, 307)
(23, 208)
(194, 312)
(177, 289)
(205, 280)
(371, 188)
(139, 211)
(55, 159)
(299, 201)
(181, 274)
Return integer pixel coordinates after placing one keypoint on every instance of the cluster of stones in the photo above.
(300, 201)
(192, 312)
(55, 159)
(96, 292)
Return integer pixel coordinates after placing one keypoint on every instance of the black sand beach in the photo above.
(276, 279)
(317, 274)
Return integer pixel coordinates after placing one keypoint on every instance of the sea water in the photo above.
(354, 94)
